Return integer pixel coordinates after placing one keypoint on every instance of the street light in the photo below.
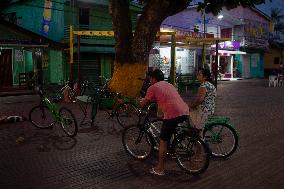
(220, 16)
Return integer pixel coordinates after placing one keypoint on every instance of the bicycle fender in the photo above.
(208, 125)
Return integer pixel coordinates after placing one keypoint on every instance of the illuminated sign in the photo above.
(234, 45)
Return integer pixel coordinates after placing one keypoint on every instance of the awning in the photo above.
(230, 52)
(206, 41)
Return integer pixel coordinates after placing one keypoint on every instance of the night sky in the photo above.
(266, 8)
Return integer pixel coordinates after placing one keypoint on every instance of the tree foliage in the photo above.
(134, 48)
(277, 17)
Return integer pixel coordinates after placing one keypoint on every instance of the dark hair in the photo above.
(206, 73)
(158, 75)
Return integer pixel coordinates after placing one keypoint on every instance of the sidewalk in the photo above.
(15, 91)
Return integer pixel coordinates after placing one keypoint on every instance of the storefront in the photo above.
(184, 60)
(186, 45)
(229, 64)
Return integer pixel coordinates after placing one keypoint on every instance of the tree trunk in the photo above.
(127, 78)
(132, 51)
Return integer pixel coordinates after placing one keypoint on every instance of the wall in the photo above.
(30, 14)
(256, 65)
(55, 66)
(269, 65)
(18, 64)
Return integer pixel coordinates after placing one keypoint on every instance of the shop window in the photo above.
(226, 32)
(276, 60)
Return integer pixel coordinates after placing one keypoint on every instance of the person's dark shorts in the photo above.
(169, 126)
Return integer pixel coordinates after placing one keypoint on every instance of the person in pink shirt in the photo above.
(174, 109)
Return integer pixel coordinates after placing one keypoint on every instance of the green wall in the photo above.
(30, 16)
(256, 65)
(29, 61)
(239, 64)
(106, 61)
(55, 66)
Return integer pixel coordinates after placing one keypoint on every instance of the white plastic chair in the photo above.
(280, 80)
(273, 81)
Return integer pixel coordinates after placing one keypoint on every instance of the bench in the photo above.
(184, 82)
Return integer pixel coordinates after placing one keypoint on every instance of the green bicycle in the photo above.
(218, 133)
(114, 104)
(48, 114)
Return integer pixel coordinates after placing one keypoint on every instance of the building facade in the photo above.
(93, 55)
(240, 56)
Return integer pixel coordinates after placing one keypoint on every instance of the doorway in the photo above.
(6, 75)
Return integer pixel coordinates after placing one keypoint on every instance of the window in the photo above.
(84, 16)
(276, 60)
(226, 32)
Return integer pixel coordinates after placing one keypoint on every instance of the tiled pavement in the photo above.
(34, 158)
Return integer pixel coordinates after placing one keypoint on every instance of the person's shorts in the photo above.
(169, 126)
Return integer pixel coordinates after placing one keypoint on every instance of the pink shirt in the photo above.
(168, 99)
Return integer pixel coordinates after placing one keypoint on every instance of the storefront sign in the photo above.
(182, 35)
(190, 34)
(256, 34)
(230, 45)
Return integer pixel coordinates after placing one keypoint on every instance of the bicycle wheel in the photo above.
(155, 129)
(192, 154)
(127, 114)
(41, 117)
(222, 140)
(136, 142)
(68, 122)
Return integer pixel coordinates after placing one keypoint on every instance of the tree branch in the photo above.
(154, 13)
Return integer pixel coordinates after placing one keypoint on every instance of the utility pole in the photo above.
(215, 70)
(204, 36)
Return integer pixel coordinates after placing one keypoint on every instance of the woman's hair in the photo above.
(158, 75)
(206, 73)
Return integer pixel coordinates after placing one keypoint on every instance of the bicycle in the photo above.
(74, 89)
(192, 154)
(48, 114)
(218, 133)
(116, 105)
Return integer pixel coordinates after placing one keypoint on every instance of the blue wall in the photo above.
(256, 65)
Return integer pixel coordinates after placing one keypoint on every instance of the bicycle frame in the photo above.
(52, 107)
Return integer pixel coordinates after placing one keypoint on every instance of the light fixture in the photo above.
(220, 16)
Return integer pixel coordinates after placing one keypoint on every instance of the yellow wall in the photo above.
(269, 58)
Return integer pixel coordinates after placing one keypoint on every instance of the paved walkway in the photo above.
(33, 158)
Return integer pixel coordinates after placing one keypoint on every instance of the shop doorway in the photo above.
(225, 67)
(6, 75)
